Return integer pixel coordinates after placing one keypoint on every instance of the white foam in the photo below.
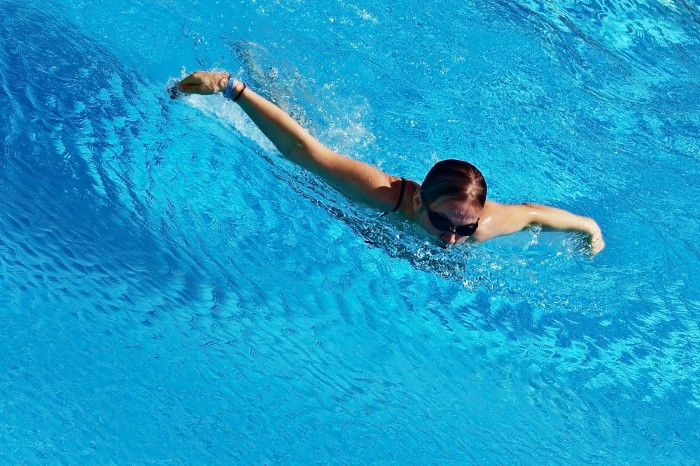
(230, 114)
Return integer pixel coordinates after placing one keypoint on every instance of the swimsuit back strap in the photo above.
(398, 203)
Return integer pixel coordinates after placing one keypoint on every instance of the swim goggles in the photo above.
(442, 223)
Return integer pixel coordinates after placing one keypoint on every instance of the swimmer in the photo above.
(450, 204)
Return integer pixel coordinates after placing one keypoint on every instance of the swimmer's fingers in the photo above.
(596, 243)
(203, 82)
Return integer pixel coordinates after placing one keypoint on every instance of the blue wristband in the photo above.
(229, 88)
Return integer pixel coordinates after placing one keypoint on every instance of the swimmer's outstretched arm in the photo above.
(358, 181)
(504, 219)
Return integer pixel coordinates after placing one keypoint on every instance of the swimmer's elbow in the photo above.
(300, 151)
(530, 215)
(293, 149)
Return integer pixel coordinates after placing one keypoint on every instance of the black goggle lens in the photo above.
(442, 223)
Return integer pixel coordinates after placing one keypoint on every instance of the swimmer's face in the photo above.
(451, 221)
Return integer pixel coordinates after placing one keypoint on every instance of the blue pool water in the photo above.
(172, 292)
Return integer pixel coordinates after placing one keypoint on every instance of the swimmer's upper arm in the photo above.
(503, 219)
(359, 181)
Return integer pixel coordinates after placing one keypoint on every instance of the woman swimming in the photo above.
(450, 204)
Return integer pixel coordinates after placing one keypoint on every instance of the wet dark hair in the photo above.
(454, 179)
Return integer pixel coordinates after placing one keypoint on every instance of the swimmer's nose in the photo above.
(449, 238)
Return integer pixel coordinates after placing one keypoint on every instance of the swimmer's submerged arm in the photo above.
(511, 218)
(358, 181)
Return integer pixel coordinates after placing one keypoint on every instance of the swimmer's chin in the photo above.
(442, 243)
(445, 245)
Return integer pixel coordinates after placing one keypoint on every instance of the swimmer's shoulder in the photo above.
(497, 220)
(489, 221)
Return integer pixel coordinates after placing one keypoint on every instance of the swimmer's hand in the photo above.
(595, 238)
(201, 82)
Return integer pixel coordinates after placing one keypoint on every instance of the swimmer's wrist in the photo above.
(231, 87)
(238, 88)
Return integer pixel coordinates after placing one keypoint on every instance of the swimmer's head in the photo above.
(454, 180)
(451, 200)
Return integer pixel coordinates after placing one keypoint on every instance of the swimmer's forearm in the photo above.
(562, 220)
(282, 130)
